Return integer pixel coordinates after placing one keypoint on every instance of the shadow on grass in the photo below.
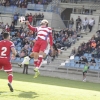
(2, 92)
(54, 81)
(27, 94)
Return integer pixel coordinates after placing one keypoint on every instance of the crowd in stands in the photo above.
(36, 18)
(91, 47)
(65, 38)
(22, 3)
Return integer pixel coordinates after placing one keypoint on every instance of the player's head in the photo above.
(6, 36)
(44, 22)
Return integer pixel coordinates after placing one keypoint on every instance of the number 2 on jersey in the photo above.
(4, 49)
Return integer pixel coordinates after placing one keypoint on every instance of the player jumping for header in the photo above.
(43, 33)
(6, 46)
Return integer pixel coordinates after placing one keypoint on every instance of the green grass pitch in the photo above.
(47, 88)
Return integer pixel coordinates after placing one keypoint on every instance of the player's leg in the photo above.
(40, 57)
(84, 76)
(10, 78)
(8, 69)
(35, 52)
(24, 69)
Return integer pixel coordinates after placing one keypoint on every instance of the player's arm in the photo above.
(13, 51)
(51, 42)
(51, 39)
(34, 29)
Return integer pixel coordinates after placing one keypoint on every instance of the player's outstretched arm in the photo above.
(13, 51)
(34, 29)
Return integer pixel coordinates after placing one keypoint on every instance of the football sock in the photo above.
(35, 62)
(39, 63)
(10, 78)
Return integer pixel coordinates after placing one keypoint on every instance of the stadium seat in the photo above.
(72, 65)
(31, 6)
(19, 44)
(72, 61)
(76, 65)
(18, 59)
(81, 65)
(86, 55)
(12, 33)
(38, 7)
(22, 59)
(76, 59)
(89, 55)
(19, 48)
(91, 67)
(31, 61)
(96, 67)
(67, 64)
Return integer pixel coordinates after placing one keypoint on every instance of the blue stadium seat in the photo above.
(77, 58)
(96, 67)
(12, 33)
(91, 67)
(18, 59)
(67, 64)
(72, 61)
(22, 59)
(31, 6)
(86, 55)
(31, 61)
(89, 55)
(19, 48)
(72, 65)
(81, 65)
(19, 44)
(38, 7)
(76, 65)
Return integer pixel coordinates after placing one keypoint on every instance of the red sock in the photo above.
(35, 62)
(39, 61)
(10, 78)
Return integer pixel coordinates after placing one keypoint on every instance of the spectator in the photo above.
(83, 60)
(85, 24)
(73, 52)
(12, 27)
(93, 45)
(95, 53)
(30, 18)
(15, 19)
(78, 21)
(92, 62)
(71, 23)
(83, 10)
(91, 24)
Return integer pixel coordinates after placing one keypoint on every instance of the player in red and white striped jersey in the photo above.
(43, 32)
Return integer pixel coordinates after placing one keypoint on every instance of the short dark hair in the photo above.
(5, 35)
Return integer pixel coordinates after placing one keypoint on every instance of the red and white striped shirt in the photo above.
(43, 33)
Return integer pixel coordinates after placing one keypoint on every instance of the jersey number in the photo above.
(4, 49)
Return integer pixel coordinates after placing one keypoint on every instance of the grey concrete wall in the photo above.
(75, 16)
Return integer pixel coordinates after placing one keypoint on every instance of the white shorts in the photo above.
(47, 49)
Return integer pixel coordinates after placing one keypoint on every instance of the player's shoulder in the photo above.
(49, 28)
(10, 42)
